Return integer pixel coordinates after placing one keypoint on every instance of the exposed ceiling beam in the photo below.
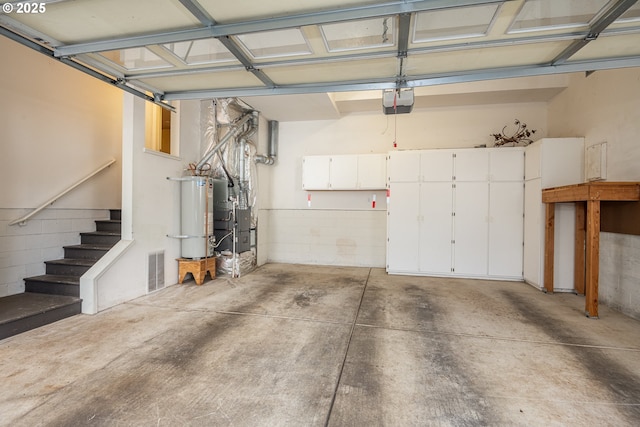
(368, 55)
(348, 14)
(244, 60)
(275, 23)
(198, 11)
(598, 26)
(404, 23)
(413, 81)
(203, 16)
(21, 28)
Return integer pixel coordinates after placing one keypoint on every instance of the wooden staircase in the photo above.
(56, 295)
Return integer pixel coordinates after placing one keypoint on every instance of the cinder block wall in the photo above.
(24, 249)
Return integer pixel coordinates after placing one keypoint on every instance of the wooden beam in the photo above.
(587, 260)
(614, 191)
(549, 230)
(568, 193)
(592, 258)
(592, 191)
(578, 271)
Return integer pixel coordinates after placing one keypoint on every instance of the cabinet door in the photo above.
(533, 232)
(471, 165)
(315, 172)
(436, 165)
(506, 204)
(532, 160)
(506, 164)
(436, 222)
(343, 172)
(372, 171)
(402, 227)
(471, 228)
(404, 166)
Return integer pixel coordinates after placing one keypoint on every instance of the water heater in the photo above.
(196, 217)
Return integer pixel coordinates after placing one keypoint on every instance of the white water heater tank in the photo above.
(196, 199)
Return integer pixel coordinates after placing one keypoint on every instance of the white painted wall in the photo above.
(340, 227)
(606, 107)
(58, 125)
(150, 212)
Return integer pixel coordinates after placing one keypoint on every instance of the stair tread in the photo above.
(56, 278)
(101, 233)
(89, 246)
(19, 306)
(72, 261)
(117, 221)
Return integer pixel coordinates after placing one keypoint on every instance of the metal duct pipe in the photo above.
(242, 160)
(274, 134)
(232, 133)
(242, 171)
(272, 144)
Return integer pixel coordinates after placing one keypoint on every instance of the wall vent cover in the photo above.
(156, 271)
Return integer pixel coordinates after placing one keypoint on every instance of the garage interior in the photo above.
(317, 345)
(381, 259)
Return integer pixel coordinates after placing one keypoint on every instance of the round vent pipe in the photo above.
(272, 144)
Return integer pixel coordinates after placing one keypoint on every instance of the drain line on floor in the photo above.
(344, 359)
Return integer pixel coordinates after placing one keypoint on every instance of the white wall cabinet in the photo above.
(315, 172)
(460, 211)
(436, 227)
(344, 172)
(372, 171)
(404, 220)
(551, 162)
(470, 231)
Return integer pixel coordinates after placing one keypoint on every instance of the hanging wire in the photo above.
(385, 30)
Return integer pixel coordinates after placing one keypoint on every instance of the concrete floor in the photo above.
(306, 345)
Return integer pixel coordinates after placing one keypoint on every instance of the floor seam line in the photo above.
(346, 352)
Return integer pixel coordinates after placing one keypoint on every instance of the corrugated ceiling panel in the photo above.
(219, 80)
(477, 59)
(608, 47)
(333, 71)
(241, 10)
(87, 20)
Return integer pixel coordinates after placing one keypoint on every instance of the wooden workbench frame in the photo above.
(587, 198)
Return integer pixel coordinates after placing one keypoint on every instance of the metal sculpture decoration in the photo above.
(520, 136)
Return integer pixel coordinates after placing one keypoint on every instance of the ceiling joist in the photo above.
(613, 13)
(416, 81)
(276, 23)
(373, 45)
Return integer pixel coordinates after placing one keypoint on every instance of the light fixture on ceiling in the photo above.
(397, 101)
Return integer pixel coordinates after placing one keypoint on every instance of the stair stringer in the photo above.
(94, 287)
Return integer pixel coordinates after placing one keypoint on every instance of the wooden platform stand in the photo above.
(197, 267)
(587, 198)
